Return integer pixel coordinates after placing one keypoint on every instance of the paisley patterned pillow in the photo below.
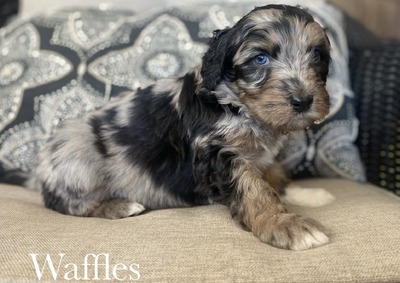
(60, 65)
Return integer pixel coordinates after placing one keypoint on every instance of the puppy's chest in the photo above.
(252, 143)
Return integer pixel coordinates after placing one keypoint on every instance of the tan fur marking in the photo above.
(276, 177)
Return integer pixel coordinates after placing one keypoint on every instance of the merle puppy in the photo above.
(209, 136)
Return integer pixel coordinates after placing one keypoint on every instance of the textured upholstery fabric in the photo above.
(203, 244)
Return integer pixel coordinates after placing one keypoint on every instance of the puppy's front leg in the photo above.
(257, 206)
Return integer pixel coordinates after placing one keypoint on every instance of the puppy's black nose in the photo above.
(301, 104)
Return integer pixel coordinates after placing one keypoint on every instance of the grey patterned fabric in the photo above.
(63, 64)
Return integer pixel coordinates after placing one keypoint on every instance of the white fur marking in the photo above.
(136, 208)
(314, 238)
(296, 195)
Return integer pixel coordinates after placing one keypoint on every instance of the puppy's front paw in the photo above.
(294, 232)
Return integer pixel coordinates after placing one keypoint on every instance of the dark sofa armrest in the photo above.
(8, 9)
(375, 75)
(374, 70)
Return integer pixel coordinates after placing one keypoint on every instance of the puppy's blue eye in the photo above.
(261, 59)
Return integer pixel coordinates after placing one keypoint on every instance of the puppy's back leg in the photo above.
(93, 205)
(117, 208)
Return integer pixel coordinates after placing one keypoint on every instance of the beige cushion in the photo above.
(203, 244)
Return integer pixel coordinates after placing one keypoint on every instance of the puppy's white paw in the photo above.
(296, 195)
(294, 232)
(135, 209)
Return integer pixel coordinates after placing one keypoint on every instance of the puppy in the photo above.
(209, 136)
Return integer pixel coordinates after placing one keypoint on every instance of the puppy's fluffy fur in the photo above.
(210, 135)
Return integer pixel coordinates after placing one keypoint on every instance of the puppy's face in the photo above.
(275, 60)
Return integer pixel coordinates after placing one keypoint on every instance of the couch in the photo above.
(203, 244)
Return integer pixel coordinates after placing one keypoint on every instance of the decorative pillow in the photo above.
(63, 64)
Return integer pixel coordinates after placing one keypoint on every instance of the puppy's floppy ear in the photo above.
(214, 59)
